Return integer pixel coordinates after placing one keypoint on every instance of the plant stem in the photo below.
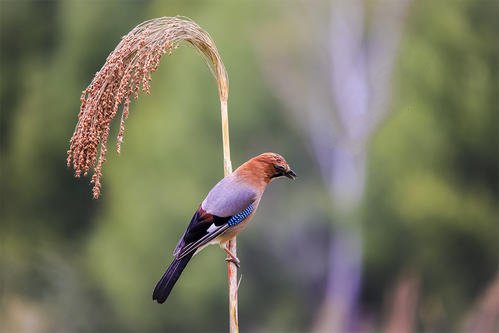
(233, 285)
(231, 245)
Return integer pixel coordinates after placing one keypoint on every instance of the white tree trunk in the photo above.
(338, 311)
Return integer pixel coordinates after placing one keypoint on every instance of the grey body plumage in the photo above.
(228, 197)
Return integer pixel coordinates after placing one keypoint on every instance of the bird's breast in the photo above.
(236, 229)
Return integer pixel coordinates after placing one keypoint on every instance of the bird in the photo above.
(225, 212)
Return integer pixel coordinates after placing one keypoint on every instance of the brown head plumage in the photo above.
(264, 168)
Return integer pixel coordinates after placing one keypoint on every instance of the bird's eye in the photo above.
(279, 168)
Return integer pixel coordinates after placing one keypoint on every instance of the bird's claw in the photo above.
(234, 260)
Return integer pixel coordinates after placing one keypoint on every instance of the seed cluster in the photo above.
(127, 70)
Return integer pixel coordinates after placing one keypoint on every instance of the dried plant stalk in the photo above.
(127, 70)
(231, 244)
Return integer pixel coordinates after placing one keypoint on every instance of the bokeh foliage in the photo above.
(81, 265)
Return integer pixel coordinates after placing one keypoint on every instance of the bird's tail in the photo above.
(171, 275)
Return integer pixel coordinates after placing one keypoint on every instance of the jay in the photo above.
(225, 211)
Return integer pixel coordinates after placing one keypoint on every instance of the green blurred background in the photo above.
(428, 215)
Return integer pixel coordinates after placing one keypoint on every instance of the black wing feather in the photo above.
(196, 234)
(191, 247)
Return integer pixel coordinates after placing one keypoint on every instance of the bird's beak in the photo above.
(290, 174)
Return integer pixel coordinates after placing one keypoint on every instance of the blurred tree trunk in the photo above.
(402, 304)
(339, 98)
(345, 252)
(484, 315)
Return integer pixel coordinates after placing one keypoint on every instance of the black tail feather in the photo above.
(171, 275)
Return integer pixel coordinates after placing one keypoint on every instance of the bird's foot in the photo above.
(232, 258)
(236, 261)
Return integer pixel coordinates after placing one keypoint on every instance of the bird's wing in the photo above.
(205, 227)
(222, 207)
(201, 232)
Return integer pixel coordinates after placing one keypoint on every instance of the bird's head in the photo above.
(271, 166)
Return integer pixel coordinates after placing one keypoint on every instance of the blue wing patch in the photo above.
(200, 233)
(238, 218)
